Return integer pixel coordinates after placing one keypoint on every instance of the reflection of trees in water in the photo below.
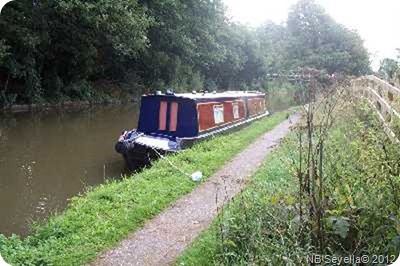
(6, 124)
(79, 120)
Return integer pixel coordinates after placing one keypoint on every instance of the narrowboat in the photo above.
(171, 122)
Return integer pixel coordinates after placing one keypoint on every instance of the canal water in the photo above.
(49, 156)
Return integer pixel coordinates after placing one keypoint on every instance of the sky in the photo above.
(375, 20)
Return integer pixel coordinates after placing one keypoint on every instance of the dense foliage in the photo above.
(360, 202)
(66, 50)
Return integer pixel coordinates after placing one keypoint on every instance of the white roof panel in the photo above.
(211, 95)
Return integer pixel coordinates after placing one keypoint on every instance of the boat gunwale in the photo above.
(210, 133)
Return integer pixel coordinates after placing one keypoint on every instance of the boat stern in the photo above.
(138, 148)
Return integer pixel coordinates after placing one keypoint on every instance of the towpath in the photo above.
(166, 236)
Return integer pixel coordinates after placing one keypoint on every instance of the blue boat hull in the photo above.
(139, 149)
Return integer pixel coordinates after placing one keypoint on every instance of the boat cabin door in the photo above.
(168, 116)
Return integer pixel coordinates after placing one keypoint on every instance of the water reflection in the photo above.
(47, 157)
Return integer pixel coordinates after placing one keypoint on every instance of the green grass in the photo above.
(106, 214)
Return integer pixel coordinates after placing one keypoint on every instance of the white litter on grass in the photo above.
(196, 176)
(3, 263)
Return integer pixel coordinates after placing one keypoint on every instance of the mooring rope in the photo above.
(193, 176)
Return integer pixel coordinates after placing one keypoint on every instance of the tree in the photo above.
(389, 68)
(274, 43)
(55, 50)
(55, 44)
(183, 41)
(318, 41)
(3, 50)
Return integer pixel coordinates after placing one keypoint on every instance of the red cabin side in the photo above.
(216, 114)
(255, 106)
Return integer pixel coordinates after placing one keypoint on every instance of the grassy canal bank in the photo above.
(360, 206)
(105, 214)
(223, 242)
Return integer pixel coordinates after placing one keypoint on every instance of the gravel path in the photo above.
(166, 236)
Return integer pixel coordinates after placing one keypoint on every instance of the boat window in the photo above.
(235, 109)
(162, 123)
(173, 119)
(218, 114)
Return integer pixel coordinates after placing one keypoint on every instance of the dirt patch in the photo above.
(166, 236)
